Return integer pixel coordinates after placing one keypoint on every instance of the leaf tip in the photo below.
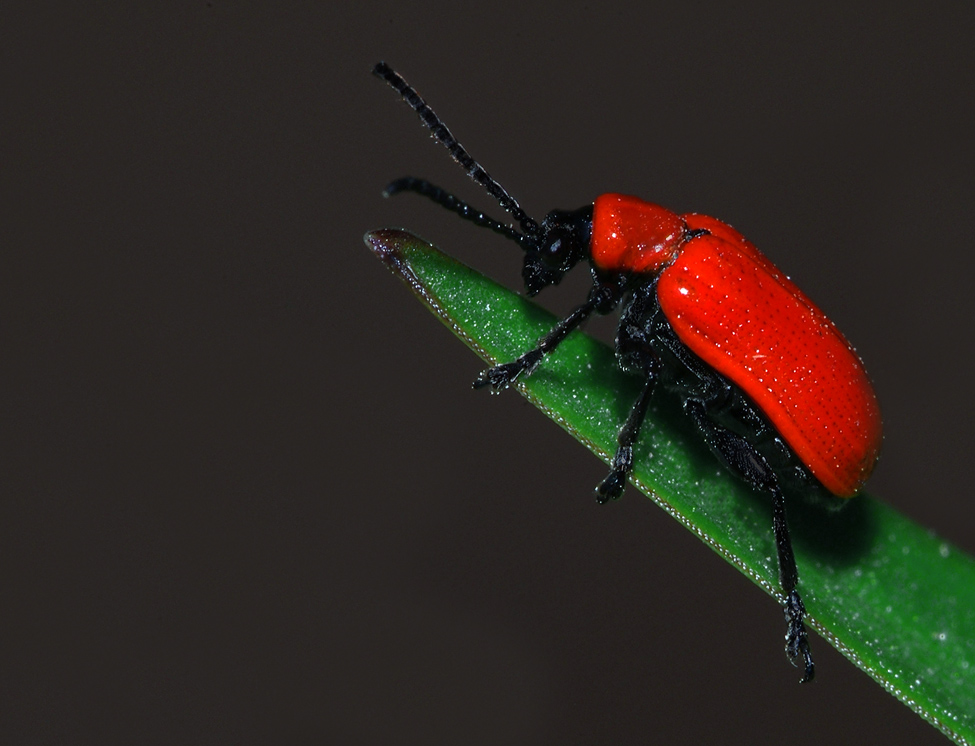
(386, 243)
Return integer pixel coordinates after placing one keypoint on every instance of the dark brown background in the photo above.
(246, 494)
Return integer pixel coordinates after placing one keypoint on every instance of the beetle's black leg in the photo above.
(501, 376)
(635, 355)
(796, 639)
(603, 298)
(741, 458)
(622, 464)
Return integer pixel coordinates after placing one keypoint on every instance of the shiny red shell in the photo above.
(737, 312)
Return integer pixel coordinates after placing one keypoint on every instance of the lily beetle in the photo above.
(777, 392)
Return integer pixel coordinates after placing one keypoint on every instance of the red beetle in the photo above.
(777, 392)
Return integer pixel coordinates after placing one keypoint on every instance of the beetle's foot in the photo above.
(796, 639)
(501, 376)
(611, 487)
(615, 482)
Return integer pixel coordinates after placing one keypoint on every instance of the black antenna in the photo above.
(432, 122)
(447, 200)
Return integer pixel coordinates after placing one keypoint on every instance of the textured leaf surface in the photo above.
(890, 595)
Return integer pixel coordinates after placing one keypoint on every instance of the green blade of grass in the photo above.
(891, 596)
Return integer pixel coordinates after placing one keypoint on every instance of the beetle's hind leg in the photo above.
(743, 459)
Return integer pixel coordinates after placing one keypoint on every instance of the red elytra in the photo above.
(742, 316)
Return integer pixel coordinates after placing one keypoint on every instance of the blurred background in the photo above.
(247, 495)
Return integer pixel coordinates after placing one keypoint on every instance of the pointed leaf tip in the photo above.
(387, 243)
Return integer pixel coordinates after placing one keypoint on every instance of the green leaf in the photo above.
(891, 596)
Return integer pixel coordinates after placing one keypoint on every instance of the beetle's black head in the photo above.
(563, 243)
(551, 249)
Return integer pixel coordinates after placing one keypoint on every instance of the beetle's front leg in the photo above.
(501, 376)
(603, 298)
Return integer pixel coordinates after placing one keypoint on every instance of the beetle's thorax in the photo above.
(630, 235)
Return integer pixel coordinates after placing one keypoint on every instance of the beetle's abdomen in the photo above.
(736, 311)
